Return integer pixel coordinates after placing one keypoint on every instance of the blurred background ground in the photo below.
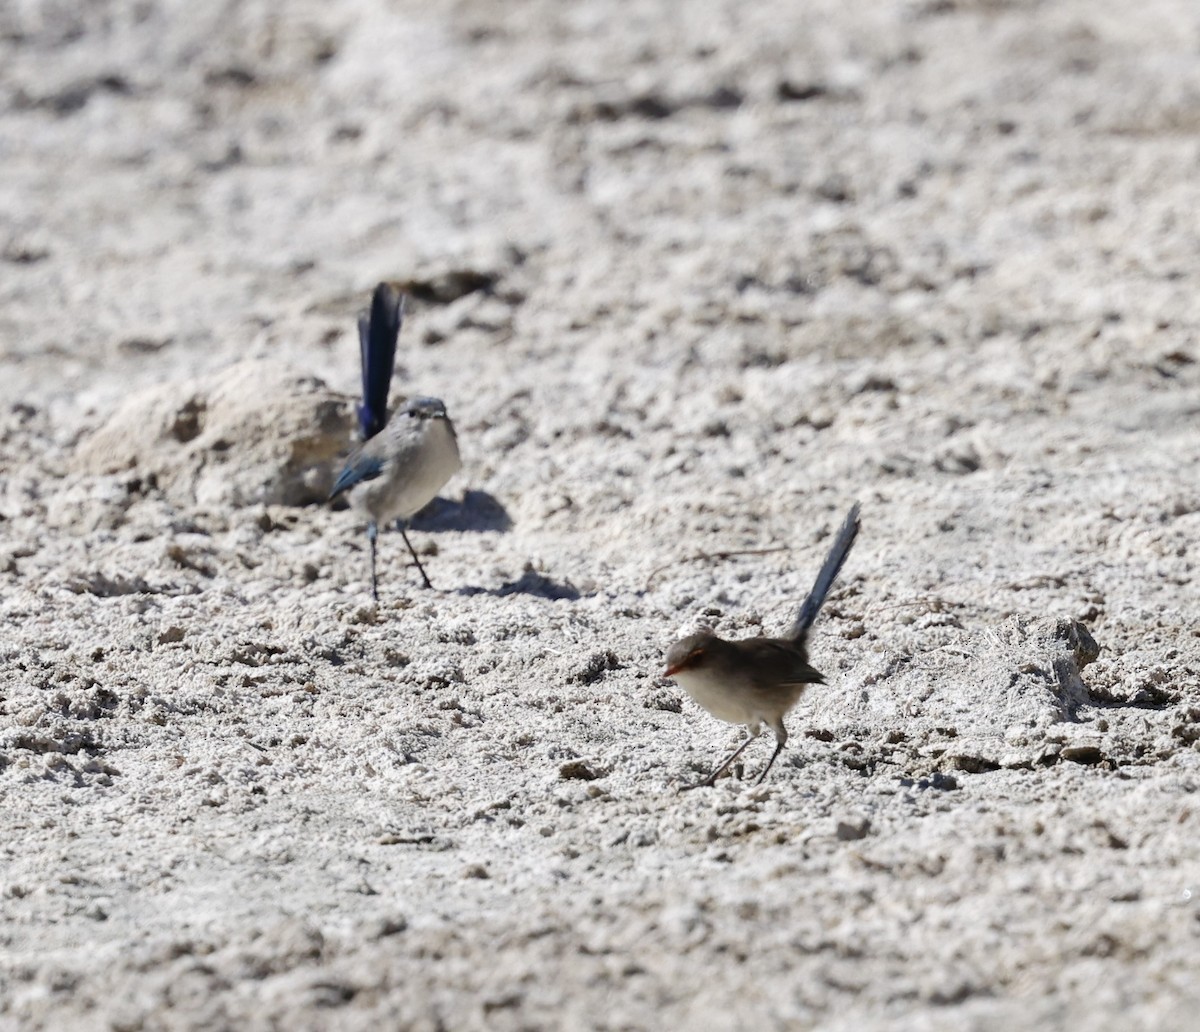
(690, 280)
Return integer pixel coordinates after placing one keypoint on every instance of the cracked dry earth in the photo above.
(691, 281)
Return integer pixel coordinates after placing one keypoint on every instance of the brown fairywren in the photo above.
(756, 681)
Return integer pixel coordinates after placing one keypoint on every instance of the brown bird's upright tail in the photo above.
(833, 566)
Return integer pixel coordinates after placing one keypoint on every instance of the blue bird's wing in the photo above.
(359, 467)
(378, 332)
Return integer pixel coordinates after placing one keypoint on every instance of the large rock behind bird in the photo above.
(250, 434)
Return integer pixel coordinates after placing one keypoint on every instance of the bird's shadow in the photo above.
(530, 583)
(478, 512)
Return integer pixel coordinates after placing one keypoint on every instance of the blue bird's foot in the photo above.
(413, 552)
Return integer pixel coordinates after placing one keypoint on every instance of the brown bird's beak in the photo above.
(684, 664)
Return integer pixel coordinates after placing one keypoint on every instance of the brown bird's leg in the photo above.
(413, 552)
(781, 737)
(720, 768)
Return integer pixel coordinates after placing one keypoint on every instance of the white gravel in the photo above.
(690, 281)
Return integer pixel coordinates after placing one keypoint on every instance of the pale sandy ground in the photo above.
(691, 278)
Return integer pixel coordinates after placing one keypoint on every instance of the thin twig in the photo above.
(713, 556)
(932, 602)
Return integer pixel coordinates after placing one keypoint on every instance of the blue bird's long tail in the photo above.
(378, 331)
(833, 566)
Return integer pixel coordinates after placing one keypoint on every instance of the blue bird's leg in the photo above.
(413, 552)
(372, 534)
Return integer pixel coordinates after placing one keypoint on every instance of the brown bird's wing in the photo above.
(779, 663)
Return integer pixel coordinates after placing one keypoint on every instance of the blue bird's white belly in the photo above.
(416, 466)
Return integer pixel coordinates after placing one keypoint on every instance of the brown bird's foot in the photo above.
(723, 766)
(708, 782)
(770, 763)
